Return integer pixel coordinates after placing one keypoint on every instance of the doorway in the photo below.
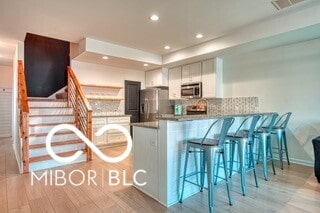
(132, 100)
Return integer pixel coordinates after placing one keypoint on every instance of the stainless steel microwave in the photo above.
(193, 90)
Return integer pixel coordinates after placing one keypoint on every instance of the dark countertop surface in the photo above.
(171, 117)
(105, 115)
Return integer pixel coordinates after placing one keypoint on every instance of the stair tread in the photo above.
(50, 107)
(38, 146)
(48, 157)
(45, 134)
(50, 124)
(46, 99)
(51, 115)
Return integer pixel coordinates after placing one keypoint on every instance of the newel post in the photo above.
(25, 142)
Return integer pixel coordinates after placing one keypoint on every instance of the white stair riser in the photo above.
(51, 111)
(55, 138)
(47, 104)
(41, 129)
(47, 164)
(51, 119)
(56, 149)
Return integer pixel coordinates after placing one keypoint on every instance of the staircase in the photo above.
(37, 116)
(44, 115)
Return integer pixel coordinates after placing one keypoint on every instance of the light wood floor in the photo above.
(292, 190)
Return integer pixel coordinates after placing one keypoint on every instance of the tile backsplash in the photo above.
(240, 105)
(218, 106)
(215, 106)
(106, 107)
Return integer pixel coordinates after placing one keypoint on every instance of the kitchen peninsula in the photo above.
(159, 149)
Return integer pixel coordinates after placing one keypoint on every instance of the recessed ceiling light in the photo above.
(199, 35)
(105, 57)
(154, 18)
(167, 47)
(145, 65)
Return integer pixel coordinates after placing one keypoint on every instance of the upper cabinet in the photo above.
(156, 78)
(175, 83)
(191, 73)
(212, 78)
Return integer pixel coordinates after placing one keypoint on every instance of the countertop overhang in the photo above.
(105, 115)
(213, 116)
(170, 117)
(151, 124)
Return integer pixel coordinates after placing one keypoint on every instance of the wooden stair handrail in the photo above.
(22, 87)
(79, 89)
(83, 111)
(23, 116)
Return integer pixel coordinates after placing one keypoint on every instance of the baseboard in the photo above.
(298, 161)
(301, 162)
(19, 162)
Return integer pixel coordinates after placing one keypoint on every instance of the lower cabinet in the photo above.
(98, 123)
(112, 136)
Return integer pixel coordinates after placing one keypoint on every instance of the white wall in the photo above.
(89, 73)
(6, 76)
(286, 78)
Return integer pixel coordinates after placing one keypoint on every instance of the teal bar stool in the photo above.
(243, 138)
(279, 129)
(209, 147)
(263, 134)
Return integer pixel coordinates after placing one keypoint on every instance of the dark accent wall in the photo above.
(46, 60)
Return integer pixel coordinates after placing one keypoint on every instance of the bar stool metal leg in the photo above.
(253, 164)
(232, 149)
(202, 170)
(210, 173)
(279, 140)
(271, 154)
(263, 144)
(286, 146)
(217, 170)
(226, 177)
(242, 155)
(184, 172)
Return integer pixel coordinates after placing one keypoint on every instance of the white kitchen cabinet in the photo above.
(98, 123)
(191, 73)
(156, 78)
(145, 157)
(112, 136)
(212, 78)
(175, 83)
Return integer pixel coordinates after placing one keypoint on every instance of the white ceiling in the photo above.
(126, 23)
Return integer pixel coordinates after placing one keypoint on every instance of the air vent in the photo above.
(281, 4)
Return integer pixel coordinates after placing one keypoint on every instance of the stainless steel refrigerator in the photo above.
(153, 103)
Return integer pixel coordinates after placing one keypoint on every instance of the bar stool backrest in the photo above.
(252, 122)
(253, 125)
(224, 128)
(268, 122)
(282, 122)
